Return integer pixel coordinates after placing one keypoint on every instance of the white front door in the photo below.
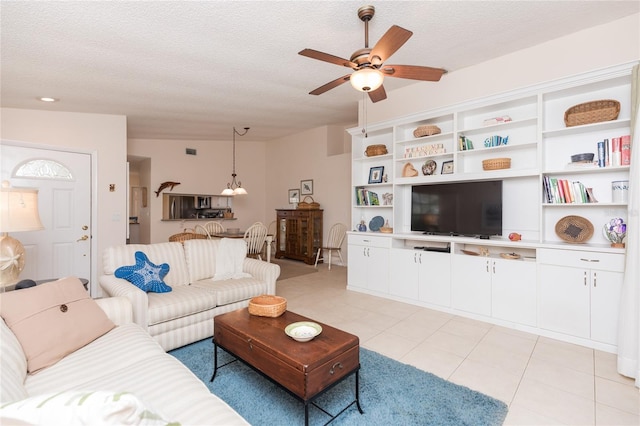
(63, 179)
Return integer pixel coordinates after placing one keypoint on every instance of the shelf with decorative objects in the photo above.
(521, 139)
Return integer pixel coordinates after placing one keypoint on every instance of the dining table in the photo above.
(268, 239)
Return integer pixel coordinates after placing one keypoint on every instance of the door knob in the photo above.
(83, 238)
(85, 227)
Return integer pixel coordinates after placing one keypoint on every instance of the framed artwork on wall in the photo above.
(375, 174)
(306, 187)
(294, 196)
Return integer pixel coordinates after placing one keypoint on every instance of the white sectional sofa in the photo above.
(122, 377)
(207, 277)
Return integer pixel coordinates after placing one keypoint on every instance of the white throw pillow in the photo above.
(80, 408)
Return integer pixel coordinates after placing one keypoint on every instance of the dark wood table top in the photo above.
(269, 334)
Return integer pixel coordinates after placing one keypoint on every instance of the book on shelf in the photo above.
(373, 198)
(562, 191)
(601, 154)
(464, 143)
(615, 151)
(625, 150)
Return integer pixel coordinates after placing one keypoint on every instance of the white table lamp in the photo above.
(18, 213)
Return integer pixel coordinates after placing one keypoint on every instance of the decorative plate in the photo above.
(574, 229)
(429, 167)
(510, 255)
(470, 253)
(376, 223)
(303, 331)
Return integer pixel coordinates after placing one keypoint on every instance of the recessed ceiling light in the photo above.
(45, 99)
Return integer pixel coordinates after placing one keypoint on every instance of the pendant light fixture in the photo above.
(235, 187)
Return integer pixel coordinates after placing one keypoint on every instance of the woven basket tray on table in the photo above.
(592, 112)
(308, 205)
(427, 130)
(267, 306)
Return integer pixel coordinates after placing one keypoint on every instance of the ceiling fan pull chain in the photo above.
(364, 114)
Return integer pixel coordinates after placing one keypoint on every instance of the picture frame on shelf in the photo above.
(447, 168)
(375, 174)
(306, 187)
(294, 196)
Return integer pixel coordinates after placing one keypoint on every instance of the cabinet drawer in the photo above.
(368, 240)
(582, 259)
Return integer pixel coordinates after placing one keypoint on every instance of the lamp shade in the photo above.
(366, 79)
(19, 209)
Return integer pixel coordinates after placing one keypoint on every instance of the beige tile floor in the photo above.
(544, 381)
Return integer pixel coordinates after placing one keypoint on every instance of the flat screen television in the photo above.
(471, 209)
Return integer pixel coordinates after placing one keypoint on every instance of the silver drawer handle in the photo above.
(590, 260)
(333, 368)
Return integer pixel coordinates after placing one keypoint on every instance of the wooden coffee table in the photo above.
(305, 370)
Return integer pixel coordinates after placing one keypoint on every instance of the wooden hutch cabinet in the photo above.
(299, 234)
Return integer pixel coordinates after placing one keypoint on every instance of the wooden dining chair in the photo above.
(255, 237)
(334, 243)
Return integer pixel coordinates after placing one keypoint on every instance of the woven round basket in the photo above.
(574, 229)
(496, 164)
(592, 112)
(267, 306)
(374, 150)
(305, 204)
(428, 130)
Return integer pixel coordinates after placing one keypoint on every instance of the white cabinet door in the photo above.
(357, 268)
(513, 291)
(471, 284)
(606, 287)
(563, 303)
(378, 269)
(405, 270)
(435, 278)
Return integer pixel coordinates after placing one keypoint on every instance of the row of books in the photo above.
(464, 143)
(364, 197)
(562, 191)
(616, 152)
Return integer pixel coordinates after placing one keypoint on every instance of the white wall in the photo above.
(598, 47)
(104, 136)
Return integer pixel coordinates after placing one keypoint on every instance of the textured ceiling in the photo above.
(193, 70)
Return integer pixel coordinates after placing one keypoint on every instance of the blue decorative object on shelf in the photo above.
(376, 223)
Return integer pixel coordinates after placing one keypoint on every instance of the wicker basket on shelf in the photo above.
(267, 306)
(308, 205)
(428, 130)
(374, 150)
(592, 112)
(187, 234)
(496, 164)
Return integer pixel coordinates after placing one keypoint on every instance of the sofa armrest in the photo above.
(267, 272)
(114, 287)
(118, 309)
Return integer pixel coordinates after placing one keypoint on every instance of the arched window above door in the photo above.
(43, 168)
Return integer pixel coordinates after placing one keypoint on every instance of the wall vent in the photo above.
(191, 151)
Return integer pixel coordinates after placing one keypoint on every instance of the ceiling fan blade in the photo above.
(378, 95)
(391, 41)
(321, 56)
(413, 72)
(330, 85)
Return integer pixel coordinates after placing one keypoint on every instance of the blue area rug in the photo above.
(391, 393)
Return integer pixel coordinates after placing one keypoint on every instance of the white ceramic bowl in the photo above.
(303, 331)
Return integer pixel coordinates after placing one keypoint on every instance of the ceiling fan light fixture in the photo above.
(366, 79)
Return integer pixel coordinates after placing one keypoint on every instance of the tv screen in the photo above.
(472, 209)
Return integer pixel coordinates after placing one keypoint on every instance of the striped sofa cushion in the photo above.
(13, 365)
(181, 302)
(171, 253)
(201, 258)
(233, 290)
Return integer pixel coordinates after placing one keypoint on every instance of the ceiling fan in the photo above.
(367, 64)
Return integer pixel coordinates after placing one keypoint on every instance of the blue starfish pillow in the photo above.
(145, 275)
